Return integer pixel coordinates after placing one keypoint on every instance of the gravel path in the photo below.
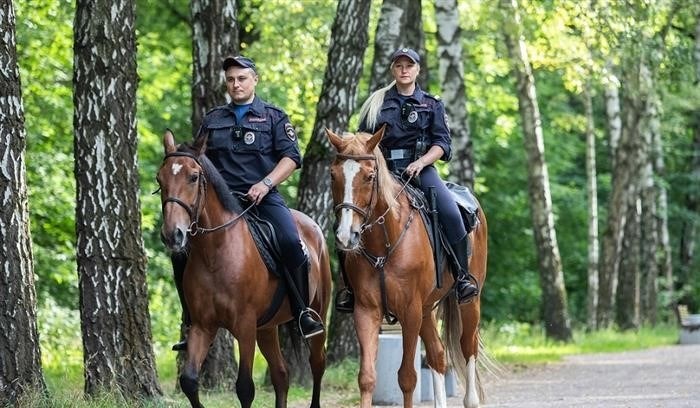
(664, 377)
(660, 377)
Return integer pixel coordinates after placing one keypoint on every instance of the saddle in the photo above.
(468, 209)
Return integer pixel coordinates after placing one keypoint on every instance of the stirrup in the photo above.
(474, 293)
(320, 328)
(345, 301)
(180, 345)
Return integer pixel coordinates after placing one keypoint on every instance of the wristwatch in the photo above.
(268, 182)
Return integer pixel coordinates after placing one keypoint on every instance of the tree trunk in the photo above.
(20, 355)
(627, 302)
(592, 201)
(115, 321)
(607, 282)
(556, 317)
(625, 188)
(664, 256)
(451, 76)
(387, 38)
(650, 194)
(400, 25)
(349, 38)
(612, 111)
(214, 36)
(414, 37)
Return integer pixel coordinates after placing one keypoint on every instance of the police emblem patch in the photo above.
(289, 130)
(412, 117)
(249, 138)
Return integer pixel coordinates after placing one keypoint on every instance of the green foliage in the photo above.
(44, 50)
(568, 44)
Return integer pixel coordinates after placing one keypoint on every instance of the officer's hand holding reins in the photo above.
(257, 192)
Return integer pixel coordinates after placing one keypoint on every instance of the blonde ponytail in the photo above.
(369, 112)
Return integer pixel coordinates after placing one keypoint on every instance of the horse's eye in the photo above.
(370, 176)
(194, 177)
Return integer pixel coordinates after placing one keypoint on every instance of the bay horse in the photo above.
(390, 266)
(226, 283)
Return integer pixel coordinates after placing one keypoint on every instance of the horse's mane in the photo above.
(354, 144)
(228, 200)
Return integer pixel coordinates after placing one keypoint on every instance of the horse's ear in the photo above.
(376, 138)
(169, 141)
(335, 140)
(200, 144)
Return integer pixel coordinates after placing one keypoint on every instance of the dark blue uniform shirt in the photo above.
(408, 118)
(245, 152)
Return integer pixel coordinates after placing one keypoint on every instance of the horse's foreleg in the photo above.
(435, 354)
(198, 342)
(317, 362)
(367, 323)
(407, 372)
(245, 388)
(470, 349)
(268, 342)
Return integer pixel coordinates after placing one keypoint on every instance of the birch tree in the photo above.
(117, 343)
(20, 354)
(400, 25)
(592, 198)
(451, 76)
(555, 311)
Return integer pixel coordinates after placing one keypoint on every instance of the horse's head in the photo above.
(355, 184)
(182, 189)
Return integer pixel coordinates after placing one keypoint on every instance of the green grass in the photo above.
(510, 344)
(524, 344)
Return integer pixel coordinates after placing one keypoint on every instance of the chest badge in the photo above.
(249, 138)
(412, 117)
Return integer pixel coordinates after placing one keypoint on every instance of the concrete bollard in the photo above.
(690, 335)
(426, 382)
(389, 355)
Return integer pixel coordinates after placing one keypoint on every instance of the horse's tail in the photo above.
(452, 327)
(369, 112)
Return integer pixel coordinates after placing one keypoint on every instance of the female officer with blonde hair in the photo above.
(416, 136)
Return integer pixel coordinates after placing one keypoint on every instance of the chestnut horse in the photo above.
(390, 266)
(226, 283)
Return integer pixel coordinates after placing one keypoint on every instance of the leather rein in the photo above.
(195, 209)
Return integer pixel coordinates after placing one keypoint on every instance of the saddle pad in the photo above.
(266, 241)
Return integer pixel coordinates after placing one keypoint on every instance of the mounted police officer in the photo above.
(255, 148)
(416, 136)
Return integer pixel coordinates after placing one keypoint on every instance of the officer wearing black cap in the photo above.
(254, 147)
(416, 136)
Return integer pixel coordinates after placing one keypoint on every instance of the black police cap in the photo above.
(238, 61)
(406, 52)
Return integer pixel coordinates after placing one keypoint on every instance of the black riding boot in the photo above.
(465, 284)
(344, 298)
(179, 261)
(299, 297)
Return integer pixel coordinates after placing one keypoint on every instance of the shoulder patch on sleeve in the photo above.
(289, 130)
